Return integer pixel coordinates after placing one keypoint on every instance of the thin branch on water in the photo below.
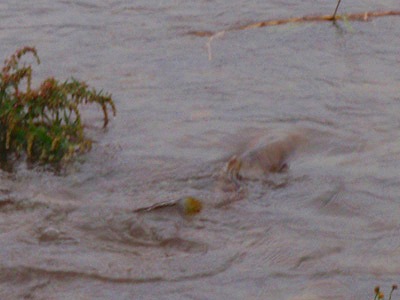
(362, 17)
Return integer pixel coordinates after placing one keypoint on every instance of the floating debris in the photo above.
(186, 206)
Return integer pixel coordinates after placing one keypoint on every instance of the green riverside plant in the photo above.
(43, 125)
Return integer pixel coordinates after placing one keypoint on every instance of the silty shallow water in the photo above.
(331, 231)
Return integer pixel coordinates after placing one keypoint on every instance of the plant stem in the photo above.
(336, 9)
(390, 295)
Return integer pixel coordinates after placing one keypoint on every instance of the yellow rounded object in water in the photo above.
(190, 205)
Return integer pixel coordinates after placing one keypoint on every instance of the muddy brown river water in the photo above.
(327, 228)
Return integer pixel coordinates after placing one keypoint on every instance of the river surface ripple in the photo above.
(185, 105)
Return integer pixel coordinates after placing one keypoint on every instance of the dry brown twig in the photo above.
(362, 17)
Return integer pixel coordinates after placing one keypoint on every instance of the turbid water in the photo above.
(326, 228)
